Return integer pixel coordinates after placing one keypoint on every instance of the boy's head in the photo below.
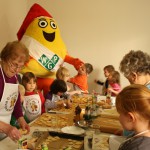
(63, 74)
(85, 69)
(58, 87)
(89, 68)
(108, 69)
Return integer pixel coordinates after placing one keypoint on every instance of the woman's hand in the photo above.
(10, 131)
(13, 133)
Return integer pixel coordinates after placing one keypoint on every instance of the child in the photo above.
(114, 83)
(63, 74)
(80, 80)
(57, 89)
(107, 70)
(33, 100)
(133, 105)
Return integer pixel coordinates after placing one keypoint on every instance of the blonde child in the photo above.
(33, 100)
(80, 81)
(133, 105)
(107, 70)
(63, 74)
(114, 83)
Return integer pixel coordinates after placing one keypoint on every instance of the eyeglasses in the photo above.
(15, 66)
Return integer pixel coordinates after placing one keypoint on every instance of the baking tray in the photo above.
(66, 135)
(67, 140)
(61, 141)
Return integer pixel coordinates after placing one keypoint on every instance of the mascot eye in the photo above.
(43, 23)
(53, 25)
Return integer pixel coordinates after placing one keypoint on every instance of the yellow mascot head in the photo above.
(40, 33)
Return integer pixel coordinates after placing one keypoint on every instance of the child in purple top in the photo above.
(53, 97)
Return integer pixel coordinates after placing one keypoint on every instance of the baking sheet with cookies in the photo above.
(81, 100)
(56, 141)
(53, 120)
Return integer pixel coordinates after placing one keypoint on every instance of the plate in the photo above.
(99, 98)
(113, 99)
(73, 130)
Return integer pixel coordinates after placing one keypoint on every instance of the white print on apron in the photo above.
(32, 106)
(8, 101)
(41, 54)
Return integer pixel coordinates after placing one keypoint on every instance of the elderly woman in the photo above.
(13, 57)
(136, 67)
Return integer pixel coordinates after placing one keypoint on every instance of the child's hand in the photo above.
(110, 90)
(60, 103)
(95, 81)
(78, 92)
(68, 103)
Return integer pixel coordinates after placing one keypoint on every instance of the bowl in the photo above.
(83, 124)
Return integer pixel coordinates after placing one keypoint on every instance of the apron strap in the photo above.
(3, 74)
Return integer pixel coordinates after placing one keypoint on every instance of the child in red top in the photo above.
(33, 100)
(80, 81)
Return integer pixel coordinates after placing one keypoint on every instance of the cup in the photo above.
(113, 101)
(88, 139)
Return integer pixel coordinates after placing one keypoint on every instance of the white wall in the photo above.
(12, 12)
(100, 32)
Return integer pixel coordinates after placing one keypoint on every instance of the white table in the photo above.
(8, 144)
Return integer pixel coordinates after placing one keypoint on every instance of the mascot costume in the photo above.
(41, 35)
